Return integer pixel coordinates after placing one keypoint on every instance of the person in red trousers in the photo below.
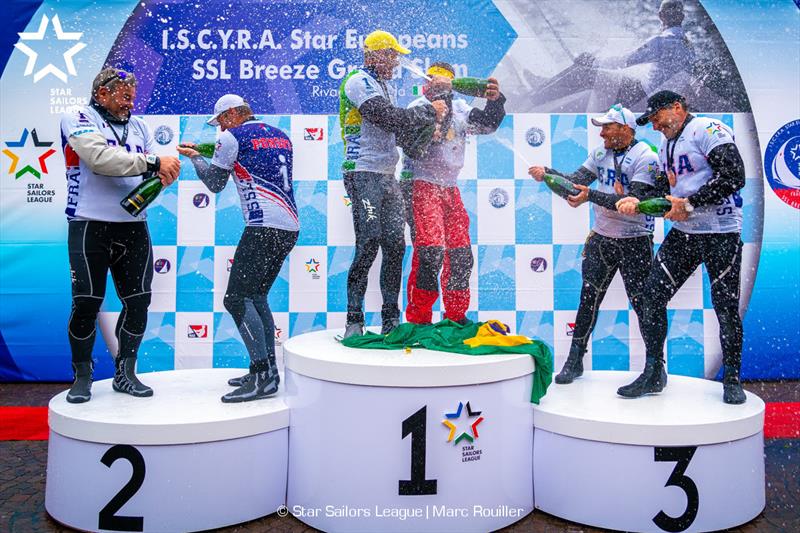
(439, 222)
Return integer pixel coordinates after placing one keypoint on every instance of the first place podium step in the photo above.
(389, 440)
(180, 460)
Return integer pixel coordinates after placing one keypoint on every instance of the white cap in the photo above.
(228, 101)
(618, 114)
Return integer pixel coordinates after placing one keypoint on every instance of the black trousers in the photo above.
(378, 222)
(679, 256)
(94, 248)
(602, 257)
(256, 264)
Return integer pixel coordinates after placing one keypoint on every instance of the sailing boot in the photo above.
(573, 366)
(239, 381)
(652, 380)
(273, 368)
(388, 325)
(125, 379)
(353, 328)
(732, 391)
(81, 390)
(261, 383)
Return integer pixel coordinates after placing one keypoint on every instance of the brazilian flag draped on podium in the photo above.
(476, 338)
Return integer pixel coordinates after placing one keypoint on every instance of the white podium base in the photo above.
(377, 453)
(679, 461)
(178, 461)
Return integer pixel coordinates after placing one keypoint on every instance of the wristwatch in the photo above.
(153, 162)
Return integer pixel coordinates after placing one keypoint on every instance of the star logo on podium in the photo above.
(16, 157)
(33, 56)
(453, 428)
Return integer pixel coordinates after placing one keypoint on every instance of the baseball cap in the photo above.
(658, 101)
(617, 114)
(228, 101)
(440, 68)
(382, 40)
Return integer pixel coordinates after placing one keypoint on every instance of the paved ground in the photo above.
(23, 465)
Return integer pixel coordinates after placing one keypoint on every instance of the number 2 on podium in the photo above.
(108, 518)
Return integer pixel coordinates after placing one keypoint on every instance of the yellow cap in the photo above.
(382, 40)
(440, 71)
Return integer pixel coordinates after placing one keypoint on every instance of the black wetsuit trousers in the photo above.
(602, 257)
(680, 255)
(94, 248)
(378, 222)
(256, 264)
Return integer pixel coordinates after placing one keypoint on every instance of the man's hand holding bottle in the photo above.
(492, 90)
(168, 169)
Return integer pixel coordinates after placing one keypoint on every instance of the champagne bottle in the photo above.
(470, 86)
(205, 149)
(655, 207)
(560, 185)
(416, 142)
(140, 197)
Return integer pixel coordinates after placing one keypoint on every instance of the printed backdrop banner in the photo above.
(559, 62)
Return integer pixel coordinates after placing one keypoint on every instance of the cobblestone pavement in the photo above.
(23, 465)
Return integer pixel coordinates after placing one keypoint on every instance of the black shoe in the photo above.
(81, 390)
(238, 382)
(573, 368)
(257, 386)
(125, 379)
(732, 391)
(389, 325)
(652, 380)
(353, 328)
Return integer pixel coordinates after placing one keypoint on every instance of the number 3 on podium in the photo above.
(682, 456)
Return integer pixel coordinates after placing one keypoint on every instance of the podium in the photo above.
(404, 440)
(681, 460)
(407, 440)
(180, 460)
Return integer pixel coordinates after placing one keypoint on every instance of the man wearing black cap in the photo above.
(704, 173)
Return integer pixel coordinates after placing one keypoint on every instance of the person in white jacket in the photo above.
(107, 153)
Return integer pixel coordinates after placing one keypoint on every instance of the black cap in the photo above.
(656, 102)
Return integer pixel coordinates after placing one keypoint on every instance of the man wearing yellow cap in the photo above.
(370, 120)
(439, 222)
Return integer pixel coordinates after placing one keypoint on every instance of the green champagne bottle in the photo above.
(470, 86)
(560, 185)
(655, 207)
(140, 197)
(416, 142)
(205, 149)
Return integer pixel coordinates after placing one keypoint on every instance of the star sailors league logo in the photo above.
(13, 148)
(469, 451)
(27, 40)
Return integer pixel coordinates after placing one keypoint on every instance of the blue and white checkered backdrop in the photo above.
(527, 244)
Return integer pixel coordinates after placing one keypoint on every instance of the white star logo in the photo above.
(61, 35)
(795, 152)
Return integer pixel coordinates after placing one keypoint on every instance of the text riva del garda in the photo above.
(221, 68)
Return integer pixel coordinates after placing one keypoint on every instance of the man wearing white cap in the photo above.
(623, 167)
(259, 157)
(370, 122)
